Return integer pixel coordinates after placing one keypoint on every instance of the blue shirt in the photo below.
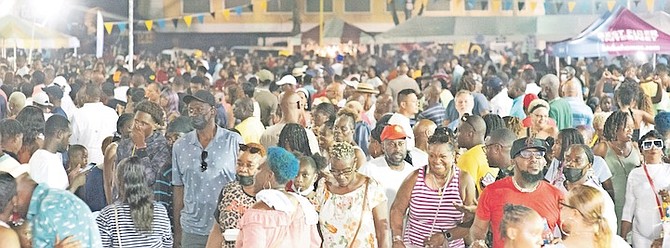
(581, 113)
(58, 212)
(517, 108)
(201, 188)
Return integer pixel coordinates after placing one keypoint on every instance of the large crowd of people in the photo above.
(421, 148)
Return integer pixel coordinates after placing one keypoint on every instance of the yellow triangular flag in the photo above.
(187, 20)
(226, 13)
(610, 5)
(532, 6)
(149, 24)
(495, 5)
(264, 4)
(571, 6)
(109, 26)
(650, 5)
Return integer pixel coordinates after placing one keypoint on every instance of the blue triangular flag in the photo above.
(122, 26)
(507, 4)
(161, 23)
(201, 18)
(238, 10)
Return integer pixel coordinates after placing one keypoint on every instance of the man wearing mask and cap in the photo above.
(496, 91)
(391, 169)
(203, 161)
(525, 187)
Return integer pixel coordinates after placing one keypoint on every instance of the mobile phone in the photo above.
(88, 168)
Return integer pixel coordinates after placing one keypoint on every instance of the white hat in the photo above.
(42, 99)
(62, 83)
(288, 79)
(352, 80)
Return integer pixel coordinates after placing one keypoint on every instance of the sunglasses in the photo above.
(563, 204)
(531, 154)
(203, 163)
(650, 144)
(251, 149)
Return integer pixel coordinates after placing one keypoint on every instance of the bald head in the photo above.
(424, 129)
(572, 88)
(290, 109)
(471, 131)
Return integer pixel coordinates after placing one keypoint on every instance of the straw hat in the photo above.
(366, 88)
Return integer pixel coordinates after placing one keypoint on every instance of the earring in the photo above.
(268, 184)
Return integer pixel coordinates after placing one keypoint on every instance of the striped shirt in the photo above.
(430, 212)
(112, 225)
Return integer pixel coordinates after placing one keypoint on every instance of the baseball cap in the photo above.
(527, 99)
(54, 91)
(527, 143)
(393, 132)
(288, 79)
(264, 75)
(201, 96)
(197, 80)
(42, 99)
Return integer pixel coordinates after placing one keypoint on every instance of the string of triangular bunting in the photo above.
(506, 5)
(187, 19)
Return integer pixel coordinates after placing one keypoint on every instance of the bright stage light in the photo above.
(45, 9)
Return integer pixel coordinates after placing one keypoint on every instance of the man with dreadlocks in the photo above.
(620, 154)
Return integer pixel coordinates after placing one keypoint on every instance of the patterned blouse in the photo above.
(232, 204)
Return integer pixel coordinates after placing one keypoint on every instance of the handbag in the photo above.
(118, 229)
(365, 204)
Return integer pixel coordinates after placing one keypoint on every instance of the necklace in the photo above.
(440, 190)
(523, 190)
(619, 151)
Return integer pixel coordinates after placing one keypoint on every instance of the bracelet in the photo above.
(397, 238)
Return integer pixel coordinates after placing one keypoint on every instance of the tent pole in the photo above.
(131, 38)
(558, 66)
(15, 69)
(568, 60)
(653, 61)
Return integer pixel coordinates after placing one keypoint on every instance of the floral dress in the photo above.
(232, 204)
(339, 215)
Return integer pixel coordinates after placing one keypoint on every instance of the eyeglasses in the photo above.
(571, 207)
(251, 149)
(337, 173)
(203, 163)
(531, 154)
(650, 144)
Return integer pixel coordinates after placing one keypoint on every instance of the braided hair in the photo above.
(568, 137)
(513, 215)
(293, 137)
(493, 122)
(615, 122)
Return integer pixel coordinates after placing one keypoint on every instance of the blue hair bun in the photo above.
(283, 163)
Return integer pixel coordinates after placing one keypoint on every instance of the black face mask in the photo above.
(245, 180)
(573, 174)
(199, 122)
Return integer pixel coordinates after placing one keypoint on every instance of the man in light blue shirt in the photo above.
(581, 113)
(203, 162)
(516, 90)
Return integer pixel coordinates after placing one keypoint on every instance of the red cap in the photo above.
(393, 132)
(527, 99)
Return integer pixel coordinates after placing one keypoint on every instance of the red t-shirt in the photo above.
(544, 200)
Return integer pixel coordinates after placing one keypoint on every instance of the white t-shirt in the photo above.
(11, 166)
(47, 167)
(388, 178)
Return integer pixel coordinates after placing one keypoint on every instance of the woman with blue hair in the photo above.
(278, 219)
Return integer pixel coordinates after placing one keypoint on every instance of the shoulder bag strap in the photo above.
(365, 204)
(118, 229)
(653, 188)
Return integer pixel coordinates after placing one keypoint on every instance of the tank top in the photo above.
(430, 211)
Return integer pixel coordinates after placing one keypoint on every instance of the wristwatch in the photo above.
(447, 235)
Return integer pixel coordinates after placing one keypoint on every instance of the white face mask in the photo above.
(306, 192)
